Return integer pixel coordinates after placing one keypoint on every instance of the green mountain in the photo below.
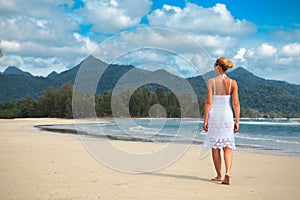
(258, 96)
(52, 74)
(17, 87)
(16, 71)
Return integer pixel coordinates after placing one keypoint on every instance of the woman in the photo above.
(218, 117)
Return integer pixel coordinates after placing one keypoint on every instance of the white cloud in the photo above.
(240, 56)
(40, 50)
(11, 46)
(156, 46)
(165, 39)
(29, 28)
(53, 31)
(215, 44)
(112, 16)
(40, 59)
(196, 19)
(213, 28)
(39, 36)
(267, 61)
(87, 45)
(291, 50)
(266, 50)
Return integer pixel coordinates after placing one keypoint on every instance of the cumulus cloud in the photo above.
(159, 38)
(112, 16)
(45, 24)
(196, 19)
(266, 50)
(40, 38)
(240, 56)
(291, 50)
(215, 44)
(45, 21)
(41, 59)
(214, 28)
(40, 50)
(11, 46)
(266, 60)
(87, 45)
(155, 45)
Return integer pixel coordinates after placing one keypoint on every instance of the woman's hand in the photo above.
(236, 127)
(205, 126)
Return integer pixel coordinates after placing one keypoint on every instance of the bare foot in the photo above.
(217, 178)
(226, 180)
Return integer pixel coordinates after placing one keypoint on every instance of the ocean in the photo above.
(275, 136)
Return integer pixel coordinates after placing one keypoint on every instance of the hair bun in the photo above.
(224, 63)
(229, 64)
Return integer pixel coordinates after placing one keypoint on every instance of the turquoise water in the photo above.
(276, 136)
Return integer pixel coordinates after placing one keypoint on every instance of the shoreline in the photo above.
(197, 141)
(57, 166)
(81, 135)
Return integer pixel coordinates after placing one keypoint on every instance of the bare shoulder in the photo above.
(209, 81)
(209, 84)
(234, 85)
(234, 82)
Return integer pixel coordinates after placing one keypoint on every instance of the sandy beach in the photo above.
(40, 165)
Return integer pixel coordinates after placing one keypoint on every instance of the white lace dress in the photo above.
(220, 122)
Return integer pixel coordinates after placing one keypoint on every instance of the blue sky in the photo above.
(263, 36)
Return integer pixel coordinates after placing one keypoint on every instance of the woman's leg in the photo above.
(227, 159)
(216, 155)
(228, 164)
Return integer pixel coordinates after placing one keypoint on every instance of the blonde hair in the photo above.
(224, 63)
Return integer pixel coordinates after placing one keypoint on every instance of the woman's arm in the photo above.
(236, 105)
(207, 104)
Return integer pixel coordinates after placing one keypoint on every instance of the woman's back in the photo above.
(222, 85)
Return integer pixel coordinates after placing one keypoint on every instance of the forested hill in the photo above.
(258, 96)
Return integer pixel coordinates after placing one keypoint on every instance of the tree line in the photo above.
(57, 103)
(54, 103)
(144, 102)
